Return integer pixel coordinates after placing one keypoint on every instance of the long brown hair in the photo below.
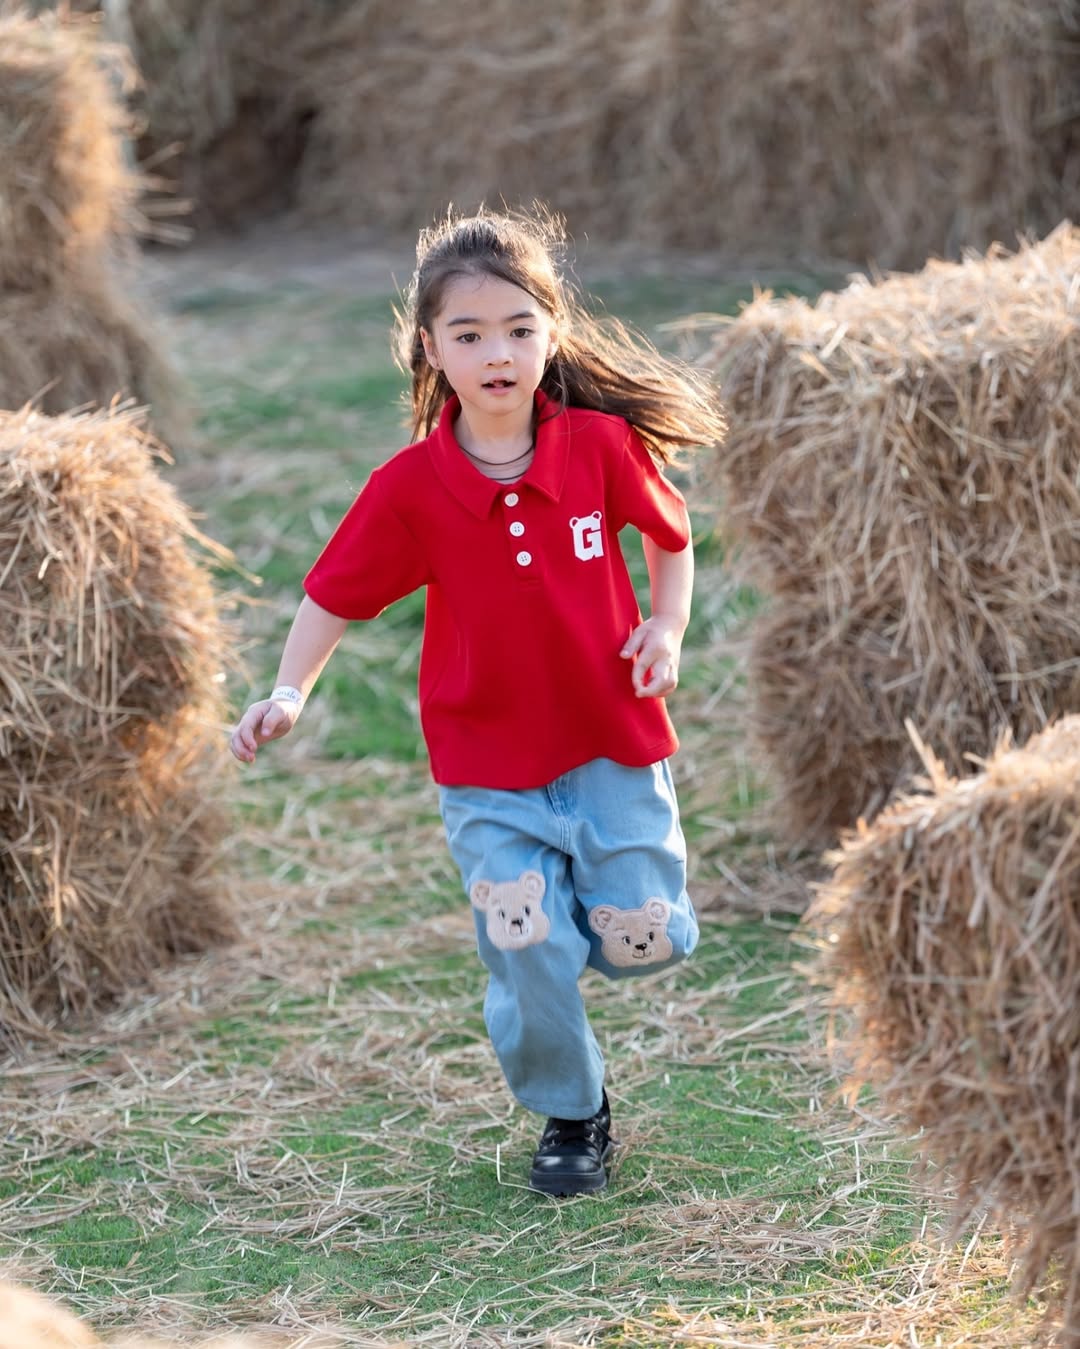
(599, 364)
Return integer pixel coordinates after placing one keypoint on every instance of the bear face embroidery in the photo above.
(631, 937)
(514, 916)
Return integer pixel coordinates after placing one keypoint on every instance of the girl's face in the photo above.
(492, 340)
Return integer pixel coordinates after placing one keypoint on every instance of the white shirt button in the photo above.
(511, 498)
(517, 529)
(524, 558)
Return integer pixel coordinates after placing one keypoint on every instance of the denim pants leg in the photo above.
(589, 870)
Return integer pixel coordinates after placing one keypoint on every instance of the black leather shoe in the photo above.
(572, 1154)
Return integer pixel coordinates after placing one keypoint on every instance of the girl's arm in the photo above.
(314, 634)
(656, 644)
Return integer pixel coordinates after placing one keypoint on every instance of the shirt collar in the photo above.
(477, 493)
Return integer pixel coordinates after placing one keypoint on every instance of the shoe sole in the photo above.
(564, 1186)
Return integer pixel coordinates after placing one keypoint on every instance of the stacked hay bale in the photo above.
(221, 108)
(951, 931)
(225, 112)
(903, 475)
(555, 104)
(69, 335)
(111, 649)
(880, 131)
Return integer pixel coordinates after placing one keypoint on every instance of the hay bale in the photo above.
(903, 477)
(80, 346)
(554, 96)
(70, 336)
(881, 131)
(223, 109)
(112, 648)
(951, 931)
(109, 620)
(67, 196)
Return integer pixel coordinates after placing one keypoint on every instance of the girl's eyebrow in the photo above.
(471, 322)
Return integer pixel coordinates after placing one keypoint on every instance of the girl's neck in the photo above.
(503, 456)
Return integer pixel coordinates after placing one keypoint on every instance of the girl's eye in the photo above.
(521, 332)
(468, 337)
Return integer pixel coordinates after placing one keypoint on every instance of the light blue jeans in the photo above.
(589, 870)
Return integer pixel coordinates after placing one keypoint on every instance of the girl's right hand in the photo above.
(262, 722)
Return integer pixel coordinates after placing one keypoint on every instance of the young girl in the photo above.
(538, 435)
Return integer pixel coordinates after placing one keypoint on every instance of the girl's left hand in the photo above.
(655, 647)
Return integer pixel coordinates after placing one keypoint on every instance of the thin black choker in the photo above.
(501, 463)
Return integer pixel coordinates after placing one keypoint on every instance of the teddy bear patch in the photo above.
(631, 937)
(514, 916)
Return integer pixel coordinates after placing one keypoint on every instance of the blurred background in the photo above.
(878, 132)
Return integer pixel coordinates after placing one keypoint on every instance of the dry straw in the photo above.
(66, 193)
(489, 103)
(68, 213)
(903, 475)
(29, 1320)
(952, 945)
(111, 652)
(883, 130)
(219, 100)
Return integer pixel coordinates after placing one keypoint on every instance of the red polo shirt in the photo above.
(528, 596)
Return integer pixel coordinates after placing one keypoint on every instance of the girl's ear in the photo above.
(429, 349)
(555, 332)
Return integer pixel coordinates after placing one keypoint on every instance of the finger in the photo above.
(651, 655)
(661, 680)
(240, 749)
(632, 645)
(639, 676)
(246, 734)
(275, 722)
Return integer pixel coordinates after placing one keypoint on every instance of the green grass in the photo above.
(762, 1158)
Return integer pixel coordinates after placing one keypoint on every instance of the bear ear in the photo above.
(659, 910)
(573, 521)
(532, 883)
(601, 917)
(481, 893)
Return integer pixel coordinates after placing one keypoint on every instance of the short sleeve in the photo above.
(371, 559)
(641, 496)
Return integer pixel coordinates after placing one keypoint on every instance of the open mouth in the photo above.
(499, 384)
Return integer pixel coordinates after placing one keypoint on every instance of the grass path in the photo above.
(308, 1130)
